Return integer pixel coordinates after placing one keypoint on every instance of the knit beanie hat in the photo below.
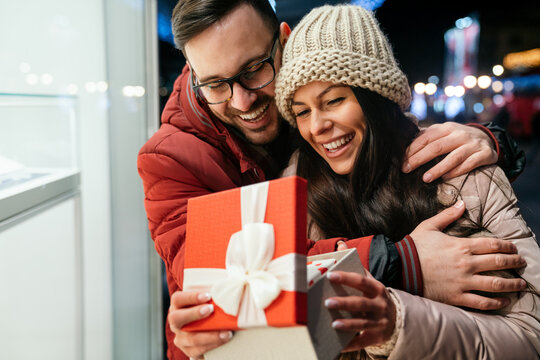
(340, 44)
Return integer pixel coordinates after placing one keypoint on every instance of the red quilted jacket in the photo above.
(194, 154)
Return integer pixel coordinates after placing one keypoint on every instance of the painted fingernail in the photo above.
(225, 335)
(329, 303)
(505, 302)
(337, 324)
(427, 177)
(522, 284)
(332, 275)
(523, 262)
(206, 309)
(406, 167)
(458, 204)
(204, 297)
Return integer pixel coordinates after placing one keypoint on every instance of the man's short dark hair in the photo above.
(192, 17)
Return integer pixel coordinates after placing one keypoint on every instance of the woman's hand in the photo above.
(467, 148)
(374, 313)
(187, 307)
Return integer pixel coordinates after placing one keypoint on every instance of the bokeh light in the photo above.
(498, 70)
(419, 88)
(484, 81)
(469, 81)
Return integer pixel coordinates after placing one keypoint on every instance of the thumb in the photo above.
(341, 245)
(447, 216)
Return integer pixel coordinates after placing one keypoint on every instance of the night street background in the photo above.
(527, 189)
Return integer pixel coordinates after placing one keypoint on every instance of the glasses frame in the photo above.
(236, 78)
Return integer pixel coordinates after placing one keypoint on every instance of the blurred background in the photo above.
(82, 86)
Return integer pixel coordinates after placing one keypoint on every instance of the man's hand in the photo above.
(451, 265)
(467, 148)
(187, 307)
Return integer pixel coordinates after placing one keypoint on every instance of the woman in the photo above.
(340, 85)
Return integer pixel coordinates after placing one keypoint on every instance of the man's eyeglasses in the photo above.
(254, 77)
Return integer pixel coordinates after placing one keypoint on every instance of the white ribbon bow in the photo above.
(251, 280)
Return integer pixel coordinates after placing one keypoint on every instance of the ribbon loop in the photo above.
(251, 248)
(249, 253)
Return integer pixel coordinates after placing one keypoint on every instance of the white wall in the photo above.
(62, 41)
(40, 286)
(131, 65)
(66, 47)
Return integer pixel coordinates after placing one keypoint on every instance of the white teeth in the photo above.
(339, 142)
(255, 114)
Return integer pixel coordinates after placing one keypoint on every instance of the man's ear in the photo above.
(284, 32)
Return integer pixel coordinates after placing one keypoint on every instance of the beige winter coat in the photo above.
(432, 330)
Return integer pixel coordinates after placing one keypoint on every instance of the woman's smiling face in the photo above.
(331, 120)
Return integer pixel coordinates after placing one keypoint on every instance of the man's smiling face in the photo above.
(229, 46)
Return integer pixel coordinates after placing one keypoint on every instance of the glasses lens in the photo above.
(216, 92)
(257, 76)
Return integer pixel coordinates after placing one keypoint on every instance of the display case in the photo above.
(38, 150)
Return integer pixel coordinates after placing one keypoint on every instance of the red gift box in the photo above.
(247, 248)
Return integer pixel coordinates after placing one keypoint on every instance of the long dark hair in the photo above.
(377, 197)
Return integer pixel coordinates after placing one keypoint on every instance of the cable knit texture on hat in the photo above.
(344, 45)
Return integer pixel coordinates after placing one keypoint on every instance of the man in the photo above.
(221, 130)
